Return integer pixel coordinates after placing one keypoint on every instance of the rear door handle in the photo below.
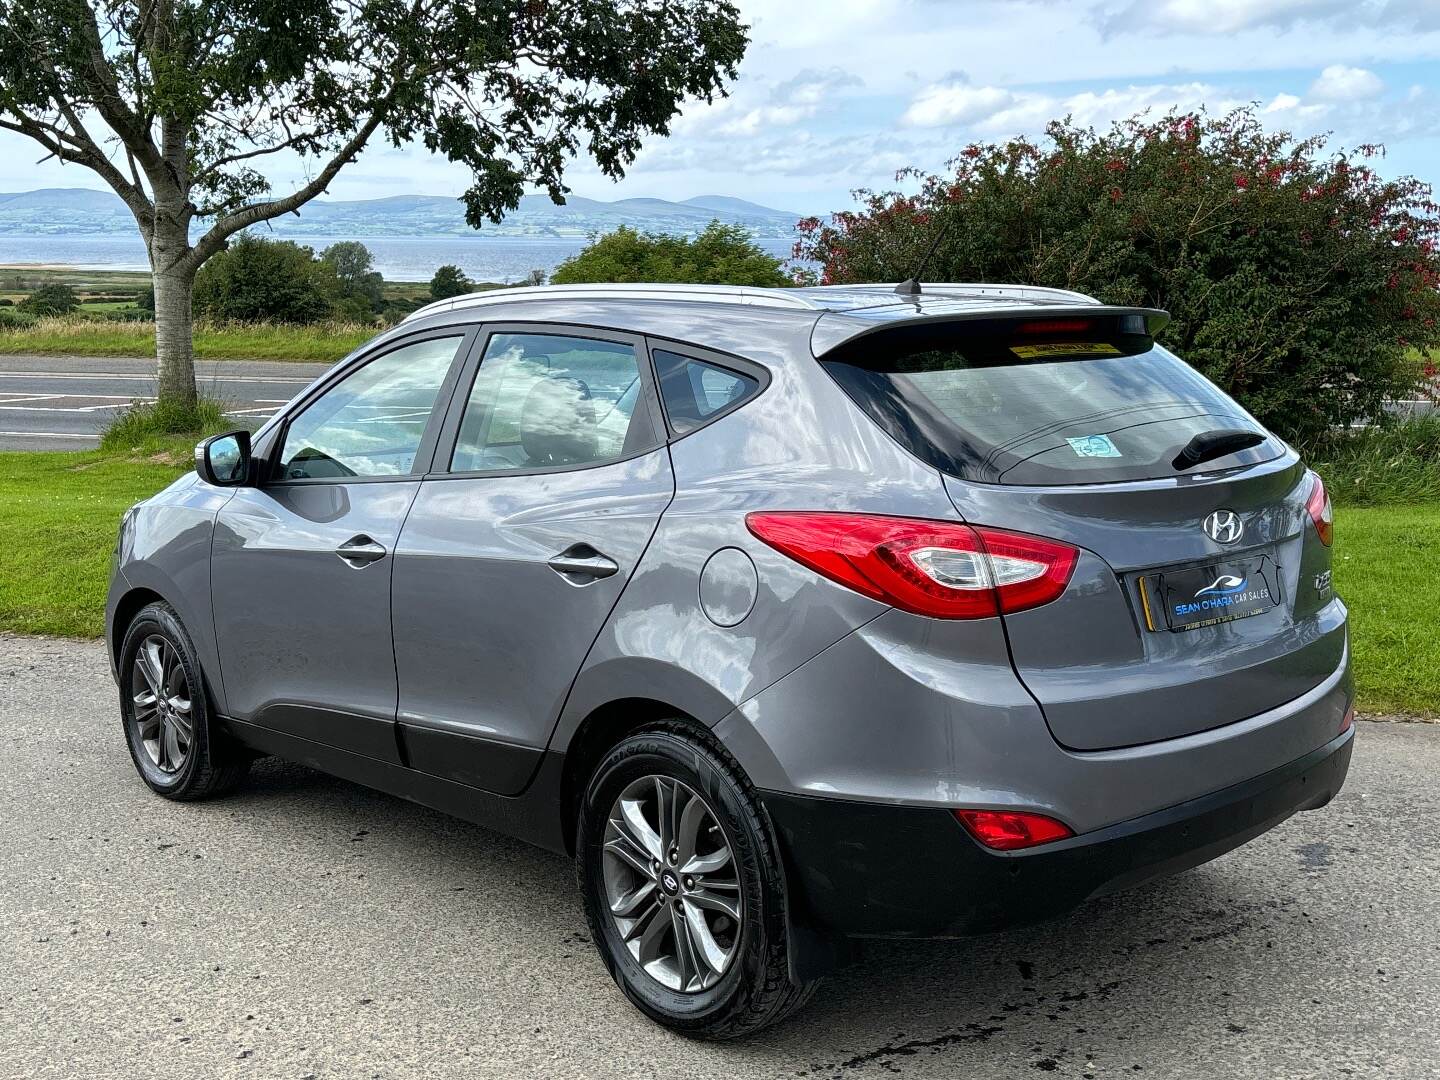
(582, 564)
(360, 551)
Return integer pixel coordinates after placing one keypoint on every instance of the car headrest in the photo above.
(557, 423)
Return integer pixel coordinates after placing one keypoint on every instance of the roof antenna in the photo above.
(911, 285)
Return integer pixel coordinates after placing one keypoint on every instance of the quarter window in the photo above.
(694, 390)
(372, 421)
(544, 401)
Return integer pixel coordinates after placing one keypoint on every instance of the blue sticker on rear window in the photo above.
(1094, 446)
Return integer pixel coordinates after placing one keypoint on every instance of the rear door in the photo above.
(1071, 429)
(550, 479)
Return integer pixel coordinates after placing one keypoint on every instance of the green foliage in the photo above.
(360, 287)
(260, 279)
(1299, 281)
(145, 299)
(53, 299)
(721, 255)
(449, 281)
(140, 425)
(16, 318)
(1393, 462)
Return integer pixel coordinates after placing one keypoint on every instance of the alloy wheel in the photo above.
(672, 884)
(163, 716)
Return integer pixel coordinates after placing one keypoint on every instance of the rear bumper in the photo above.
(873, 870)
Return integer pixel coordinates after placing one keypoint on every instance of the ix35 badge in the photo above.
(1223, 526)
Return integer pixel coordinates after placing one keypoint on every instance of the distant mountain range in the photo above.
(81, 211)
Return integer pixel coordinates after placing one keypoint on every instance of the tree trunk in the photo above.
(174, 322)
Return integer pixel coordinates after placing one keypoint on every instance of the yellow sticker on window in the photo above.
(1067, 348)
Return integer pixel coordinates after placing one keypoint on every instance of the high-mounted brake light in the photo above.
(1321, 512)
(1008, 830)
(941, 569)
(1055, 326)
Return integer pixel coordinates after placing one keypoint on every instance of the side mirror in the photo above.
(224, 460)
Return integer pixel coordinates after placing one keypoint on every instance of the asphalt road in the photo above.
(309, 928)
(61, 403)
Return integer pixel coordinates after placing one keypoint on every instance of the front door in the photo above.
(547, 488)
(301, 565)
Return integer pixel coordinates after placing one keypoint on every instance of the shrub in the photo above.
(15, 318)
(54, 299)
(260, 279)
(449, 281)
(1299, 281)
(143, 423)
(720, 255)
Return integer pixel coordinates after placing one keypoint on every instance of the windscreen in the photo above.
(1040, 402)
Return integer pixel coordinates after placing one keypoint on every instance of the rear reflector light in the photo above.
(1348, 720)
(1007, 830)
(941, 569)
(1321, 512)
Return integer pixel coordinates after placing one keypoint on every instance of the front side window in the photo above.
(546, 401)
(694, 390)
(372, 421)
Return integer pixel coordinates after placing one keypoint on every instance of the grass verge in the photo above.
(78, 336)
(1384, 569)
(59, 513)
(1399, 463)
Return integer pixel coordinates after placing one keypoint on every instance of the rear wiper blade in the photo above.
(1209, 445)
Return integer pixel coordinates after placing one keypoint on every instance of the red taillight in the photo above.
(1348, 720)
(1006, 830)
(1321, 512)
(941, 569)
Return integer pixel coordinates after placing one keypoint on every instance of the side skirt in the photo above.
(532, 816)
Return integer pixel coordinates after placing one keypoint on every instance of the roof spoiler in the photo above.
(834, 329)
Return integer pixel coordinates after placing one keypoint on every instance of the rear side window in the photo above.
(545, 401)
(1043, 402)
(694, 391)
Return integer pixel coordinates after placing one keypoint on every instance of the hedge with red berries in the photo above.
(1300, 280)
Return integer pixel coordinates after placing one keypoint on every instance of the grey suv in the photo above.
(795, 616)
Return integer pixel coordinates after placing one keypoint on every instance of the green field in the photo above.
(105, 295)
(59, 513)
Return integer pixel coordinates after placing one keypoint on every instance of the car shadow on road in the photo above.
(1114, 981)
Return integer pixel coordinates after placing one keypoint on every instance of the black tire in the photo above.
(755, 991)
(210, 766)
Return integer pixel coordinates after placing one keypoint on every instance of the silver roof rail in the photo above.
(714, 294)
(942, 288)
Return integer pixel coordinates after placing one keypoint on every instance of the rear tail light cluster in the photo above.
(941, 569)
(1321, 512)
(1008, 830)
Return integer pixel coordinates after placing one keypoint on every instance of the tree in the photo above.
(57, 299)
(258, 279)
(1300, 281)
(449, 281)
(197, 94)
(720, 255)
(361, 288)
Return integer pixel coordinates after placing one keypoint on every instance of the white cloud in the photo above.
(1231, 16)
(956, 102)
(1340, 83)
(994, 110)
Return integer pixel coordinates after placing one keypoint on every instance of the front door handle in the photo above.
(582, 564)
(360, 551)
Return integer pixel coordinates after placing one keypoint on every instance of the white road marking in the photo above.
(47, 435)
(132, 377)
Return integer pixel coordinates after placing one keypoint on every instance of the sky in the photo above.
(835, 95)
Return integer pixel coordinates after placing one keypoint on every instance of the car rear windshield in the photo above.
(1040, 401)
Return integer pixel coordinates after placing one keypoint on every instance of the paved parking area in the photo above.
(62, 403)
(309, 928)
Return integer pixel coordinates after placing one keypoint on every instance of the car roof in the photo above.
(829, 315)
